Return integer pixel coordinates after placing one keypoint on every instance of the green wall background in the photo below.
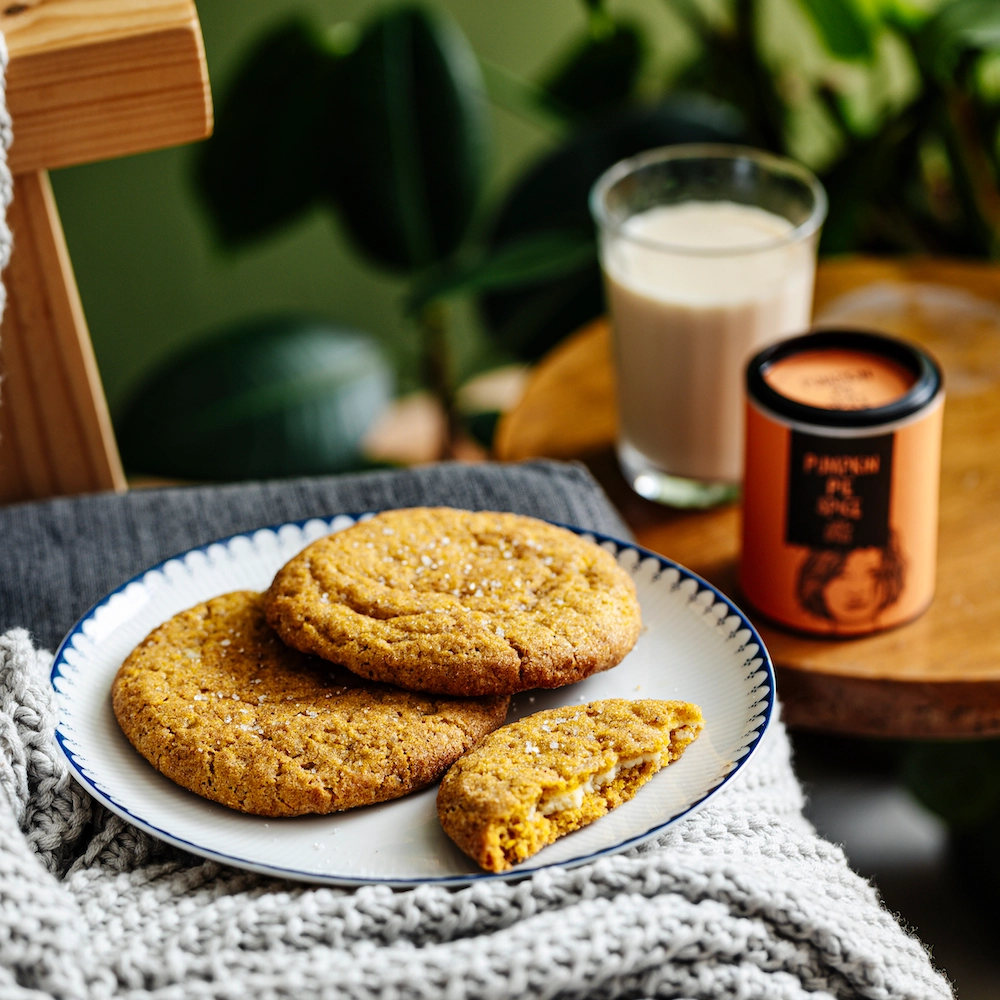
(151, 278)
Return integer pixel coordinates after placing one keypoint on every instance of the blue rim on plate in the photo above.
(763, 708)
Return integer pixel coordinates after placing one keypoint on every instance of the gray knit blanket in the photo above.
(741, 900)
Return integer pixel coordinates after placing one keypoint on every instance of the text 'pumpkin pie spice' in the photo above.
(216, 702)
(556, 771)
(455, 602)
(840, 496)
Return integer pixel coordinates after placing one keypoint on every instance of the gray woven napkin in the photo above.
(740, 900)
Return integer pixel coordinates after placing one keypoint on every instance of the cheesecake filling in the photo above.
(573, 799)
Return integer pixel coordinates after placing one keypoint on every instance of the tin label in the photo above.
(838, 491)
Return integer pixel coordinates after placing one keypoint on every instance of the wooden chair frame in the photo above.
(87, 80)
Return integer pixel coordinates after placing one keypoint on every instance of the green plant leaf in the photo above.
(987, 77)
(843, 29)
(552, 197)
(411, 145)
(279, 397)
(733, 69)
(600, 21)
(598, 72)
(908, 16)
(539, 257)
(265, 163)
(957, 29)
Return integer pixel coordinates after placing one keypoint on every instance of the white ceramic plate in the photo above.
(696, 646)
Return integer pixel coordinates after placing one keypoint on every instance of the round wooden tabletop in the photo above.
(938, 676)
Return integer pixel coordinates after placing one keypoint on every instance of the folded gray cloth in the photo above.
(740, 900)
(63, 555)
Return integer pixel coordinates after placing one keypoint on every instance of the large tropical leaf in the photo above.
(733, 69)
(843, 29)
(958, 28)
(411, 141)
(552, 198)
(598, 72)
(266, 160)
(278, 397)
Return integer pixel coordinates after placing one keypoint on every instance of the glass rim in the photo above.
(709, 151)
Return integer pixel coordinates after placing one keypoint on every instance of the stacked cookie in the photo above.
(453, 602)
(378, 657)
(219, 704)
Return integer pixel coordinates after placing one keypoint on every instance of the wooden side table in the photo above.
(936, 677)
(87, 80)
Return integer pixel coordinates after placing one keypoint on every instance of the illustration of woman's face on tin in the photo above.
(850, 588)
(853, 597)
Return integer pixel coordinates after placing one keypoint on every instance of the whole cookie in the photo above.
(553, 772)
(216, 702)
(444, 600)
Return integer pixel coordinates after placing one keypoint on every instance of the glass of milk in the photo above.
(709, 255)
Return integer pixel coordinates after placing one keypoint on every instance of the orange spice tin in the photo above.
(840, 503)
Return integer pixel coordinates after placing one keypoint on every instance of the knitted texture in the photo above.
(741, 900)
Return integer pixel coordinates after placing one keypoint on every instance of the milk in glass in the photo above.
(695, 290)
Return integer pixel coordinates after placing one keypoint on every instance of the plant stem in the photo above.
(437, 368)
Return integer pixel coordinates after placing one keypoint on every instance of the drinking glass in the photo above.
(709, 255)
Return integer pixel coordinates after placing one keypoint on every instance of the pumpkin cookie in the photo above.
(437, 599)
(215, 701)
(551, 773)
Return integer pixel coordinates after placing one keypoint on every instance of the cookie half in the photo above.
(215, 701)
(554, 772)
(444, 600)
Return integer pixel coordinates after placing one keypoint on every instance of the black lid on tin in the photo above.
(927, 379)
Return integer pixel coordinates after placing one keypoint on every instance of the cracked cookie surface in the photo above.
(556, 771)
(455, 602)
(215, 701)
